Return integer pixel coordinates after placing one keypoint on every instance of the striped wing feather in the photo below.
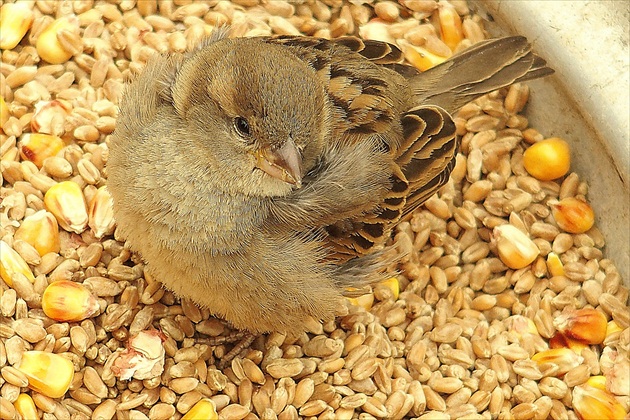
(424, 163)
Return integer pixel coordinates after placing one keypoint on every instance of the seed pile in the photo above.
(505, 306)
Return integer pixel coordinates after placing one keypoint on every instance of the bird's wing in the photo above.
(414, 124)
(422, 165)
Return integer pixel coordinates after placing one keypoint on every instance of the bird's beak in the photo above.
(283, 163)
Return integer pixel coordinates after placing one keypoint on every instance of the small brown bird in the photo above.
(260, 177)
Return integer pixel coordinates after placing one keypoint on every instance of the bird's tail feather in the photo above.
(484, 67)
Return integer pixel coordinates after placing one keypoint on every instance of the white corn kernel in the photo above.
(101, 213)
(515, 248)
(66, 202)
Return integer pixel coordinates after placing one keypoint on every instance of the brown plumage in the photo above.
(259, 177)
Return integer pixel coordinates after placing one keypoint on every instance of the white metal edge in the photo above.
(587, 101)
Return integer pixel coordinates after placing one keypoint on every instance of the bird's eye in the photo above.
(242, 126)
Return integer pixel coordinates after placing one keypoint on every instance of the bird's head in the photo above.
(258, 112)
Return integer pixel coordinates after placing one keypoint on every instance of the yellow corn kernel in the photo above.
(450, 26)
(592, 403)
(587, 325)
(15, 20)
(11, 262)
(41, 231)
(47, 373)
(393, 285)
(548, 159)
(4, 112)
(554, 264)
(101, 213)
(565, 359)
(515, 248)
(36, 147)
(66, 202)
(419, 57)
(25, 405)
(573, 215)
(204, 409)
(598, 382)
(365, 301)
(65, 300)
(48, 46)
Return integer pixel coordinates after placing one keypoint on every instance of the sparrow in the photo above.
(261, 177)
